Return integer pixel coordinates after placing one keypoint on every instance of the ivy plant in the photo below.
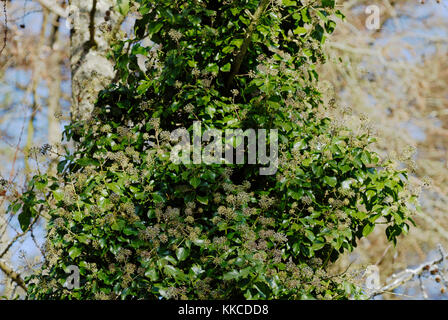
(140, 226)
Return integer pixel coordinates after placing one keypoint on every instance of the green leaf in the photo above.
(296, 195)
(152, 274)
(365, 157)
(339, 14)
(237, 42)
(123, 6)
(84, 162)
(154, 27)
(58, 194)
(25, 216)
(234, 274)
(331, 181)
(317, 246)
(174, 272)
(74, 252)
(182, 253)
(289, 3)
(368, 228)
(202, 200)
(115, 187)
(300, 145)
(15, 207)
(130, 231)
(370, 194)
(143, 87)
(118, 225)
(213, 68)
(317, 170)
(328, 3)
(83, 238)
(296, 247)
(310, 235)
(300, 30)
(197, 270)
(226, 67)
(157, 197)
(357, 160)
(305, 15)
(195, 182)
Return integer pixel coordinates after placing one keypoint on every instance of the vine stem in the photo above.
(247, 40)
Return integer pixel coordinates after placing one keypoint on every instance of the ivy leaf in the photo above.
(234, 274)
(289, 3)
(317, 170)
(58, 194)
(157, 197)
(365, 158)
(143, 87)
(182, 253)
(13, 208)
(84, 162)
(25, 218)
(328, 3)
(331, 181)
(368, 228)
(123, 6)
(174, 272)
(202, 200)
(226, 67)
(114, 187)
(152, 274)
(74, 252)
(195, 182)
(300, 30)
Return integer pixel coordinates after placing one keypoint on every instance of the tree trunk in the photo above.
(54, 99)
(93, 24)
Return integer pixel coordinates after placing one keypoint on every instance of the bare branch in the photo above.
(13, 275)
(17, 237)
(407, 275)
(54, 7)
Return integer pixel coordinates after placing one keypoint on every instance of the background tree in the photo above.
(37, 72)
(29, 117)
(396, 78)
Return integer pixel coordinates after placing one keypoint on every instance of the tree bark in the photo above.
(54, 99)
(90, 69)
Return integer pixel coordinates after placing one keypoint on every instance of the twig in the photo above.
(17, 237)
(422, 288)
(13, 275)
(406, 275)
(383, 255)
(54, 7)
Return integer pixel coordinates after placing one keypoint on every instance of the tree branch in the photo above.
(243, 50)
(13, 275)
(54, 7)
(17, 237)
(407, 274)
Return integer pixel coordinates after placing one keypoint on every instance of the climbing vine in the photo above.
(140, 226)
